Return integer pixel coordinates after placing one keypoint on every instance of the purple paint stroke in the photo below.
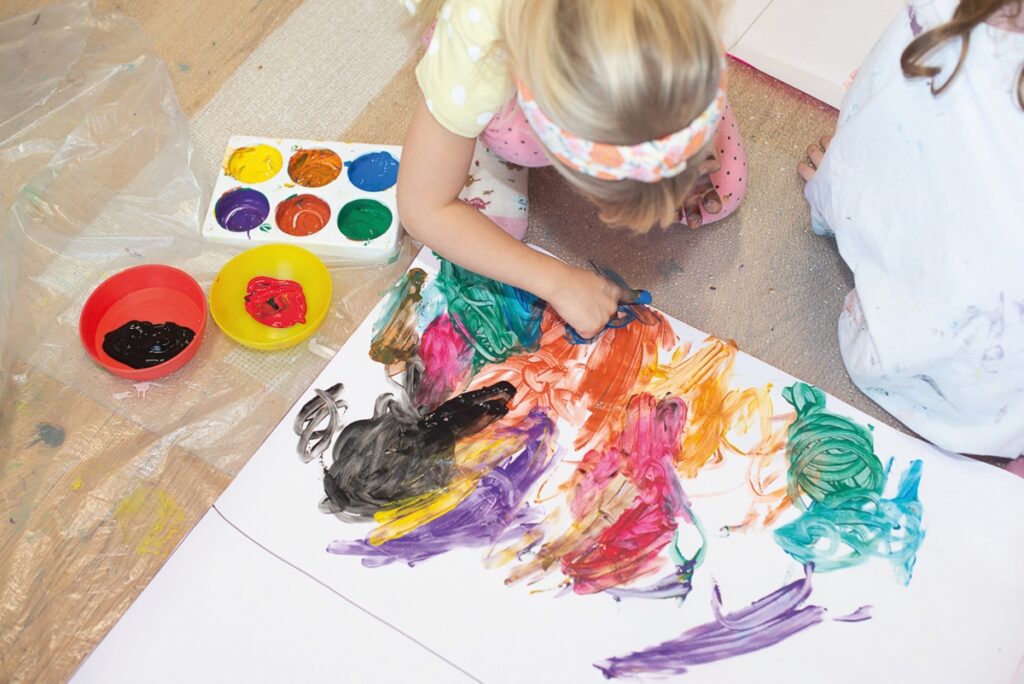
(915, 25)
(767, 621)
(493, 513)
(860, 615)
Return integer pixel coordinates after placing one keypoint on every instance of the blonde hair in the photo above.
(620, 72)
(968, 15)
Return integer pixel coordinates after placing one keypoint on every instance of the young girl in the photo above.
(923, 187)
(624, 97)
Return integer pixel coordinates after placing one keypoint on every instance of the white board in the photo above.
(813, 45)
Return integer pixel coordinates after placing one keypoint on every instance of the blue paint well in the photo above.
(373, 172)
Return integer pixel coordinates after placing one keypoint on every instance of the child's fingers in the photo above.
(805, 170)
(712, 202)
(710, 165)
(703, 186)
(691, 211)
(825, 141)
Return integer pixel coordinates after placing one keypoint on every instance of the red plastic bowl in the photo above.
(154, 293)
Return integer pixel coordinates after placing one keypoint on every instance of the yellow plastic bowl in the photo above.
(286, 262)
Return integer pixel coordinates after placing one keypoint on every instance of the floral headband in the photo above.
(648, 162)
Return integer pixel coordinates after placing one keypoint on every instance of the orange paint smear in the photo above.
(612, 371)
(547, 379)
(702, 380)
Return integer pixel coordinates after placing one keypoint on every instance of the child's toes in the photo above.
(815, 154)
(805, 170)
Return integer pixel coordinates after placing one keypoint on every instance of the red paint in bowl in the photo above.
(154, 293)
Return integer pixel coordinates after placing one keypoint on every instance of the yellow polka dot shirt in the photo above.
(463, 77)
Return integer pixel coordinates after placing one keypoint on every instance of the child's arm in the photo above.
(435, 163)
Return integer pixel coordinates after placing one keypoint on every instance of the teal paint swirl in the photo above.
(496, 319)
(832, 462)
(828, 453)
(849, 527)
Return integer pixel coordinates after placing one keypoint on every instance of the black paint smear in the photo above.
(141, 344)
(400, 452)
(49, 434)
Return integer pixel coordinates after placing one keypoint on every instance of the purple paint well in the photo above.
(494, 512)
(767, 621)
(241, 209)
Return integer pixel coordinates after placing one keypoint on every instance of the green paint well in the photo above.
(828, 453)
(363, 220)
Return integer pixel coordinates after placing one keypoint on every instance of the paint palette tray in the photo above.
(336, 199)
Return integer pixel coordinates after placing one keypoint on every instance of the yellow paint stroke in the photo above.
(254, 164)
(473, 459)
(77, 484)
(715, 411)
(156, 507)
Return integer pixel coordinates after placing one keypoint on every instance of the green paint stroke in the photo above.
(849, 527)
(363, 220)
(832, 462)
(497, 320)
(828, 453)
(395, 338)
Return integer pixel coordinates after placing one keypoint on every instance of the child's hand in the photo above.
(586, 301)
(703, 194)
(815, 153)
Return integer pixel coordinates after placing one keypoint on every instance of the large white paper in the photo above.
(222, 609)
(960, 618)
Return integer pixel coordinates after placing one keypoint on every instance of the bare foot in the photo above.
(815, 153)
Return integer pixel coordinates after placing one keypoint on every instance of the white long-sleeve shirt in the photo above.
(925, 195)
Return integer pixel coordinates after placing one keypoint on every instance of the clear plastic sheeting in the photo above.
(102, 477)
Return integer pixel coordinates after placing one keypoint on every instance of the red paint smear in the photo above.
(645, 454)
(447, 362)
(592, 475)
(275, 303)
